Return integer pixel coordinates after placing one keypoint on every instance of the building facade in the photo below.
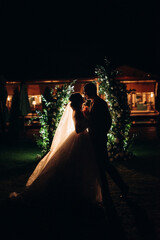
(142, 98)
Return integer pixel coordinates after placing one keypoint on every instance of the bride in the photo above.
(68, 173)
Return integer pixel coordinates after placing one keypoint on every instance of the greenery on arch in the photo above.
(115, 94)
(53, 107)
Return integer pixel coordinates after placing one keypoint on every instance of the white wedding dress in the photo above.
(69, 172)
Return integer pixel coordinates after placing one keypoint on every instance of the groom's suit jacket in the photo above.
(99, 120)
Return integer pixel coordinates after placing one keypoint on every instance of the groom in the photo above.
(100, 121)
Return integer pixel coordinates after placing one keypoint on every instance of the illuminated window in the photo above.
(35, 101)
(142, 101)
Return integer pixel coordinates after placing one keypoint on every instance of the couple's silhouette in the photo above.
(74, 170)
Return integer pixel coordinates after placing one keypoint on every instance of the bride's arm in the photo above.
(80, 122)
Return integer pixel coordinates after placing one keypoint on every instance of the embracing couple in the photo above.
(74, 170)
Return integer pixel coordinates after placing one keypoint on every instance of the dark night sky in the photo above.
(67, 40)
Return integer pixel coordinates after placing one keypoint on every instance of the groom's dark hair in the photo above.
(90, 89)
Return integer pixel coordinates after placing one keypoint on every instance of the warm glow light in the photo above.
(151, 94)
(8, 98)
(34, 103)
(40, 100)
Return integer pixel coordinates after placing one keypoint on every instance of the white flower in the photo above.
(116, 104)
(38, 156)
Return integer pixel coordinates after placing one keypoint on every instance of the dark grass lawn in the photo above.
(17, 161)
(138, 215)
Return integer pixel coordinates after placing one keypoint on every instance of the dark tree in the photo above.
(3, 108)
(14, 114)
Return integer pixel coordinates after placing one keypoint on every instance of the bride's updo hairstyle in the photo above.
(76, 101)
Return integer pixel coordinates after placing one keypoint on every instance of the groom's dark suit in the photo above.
(99, 120)
(99, 124)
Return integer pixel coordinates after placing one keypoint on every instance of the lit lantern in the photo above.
(8, 99)
(34, 103)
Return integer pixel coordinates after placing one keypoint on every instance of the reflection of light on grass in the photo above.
(19, 154)
(17, 158)
(17, 162)
(145, 149)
